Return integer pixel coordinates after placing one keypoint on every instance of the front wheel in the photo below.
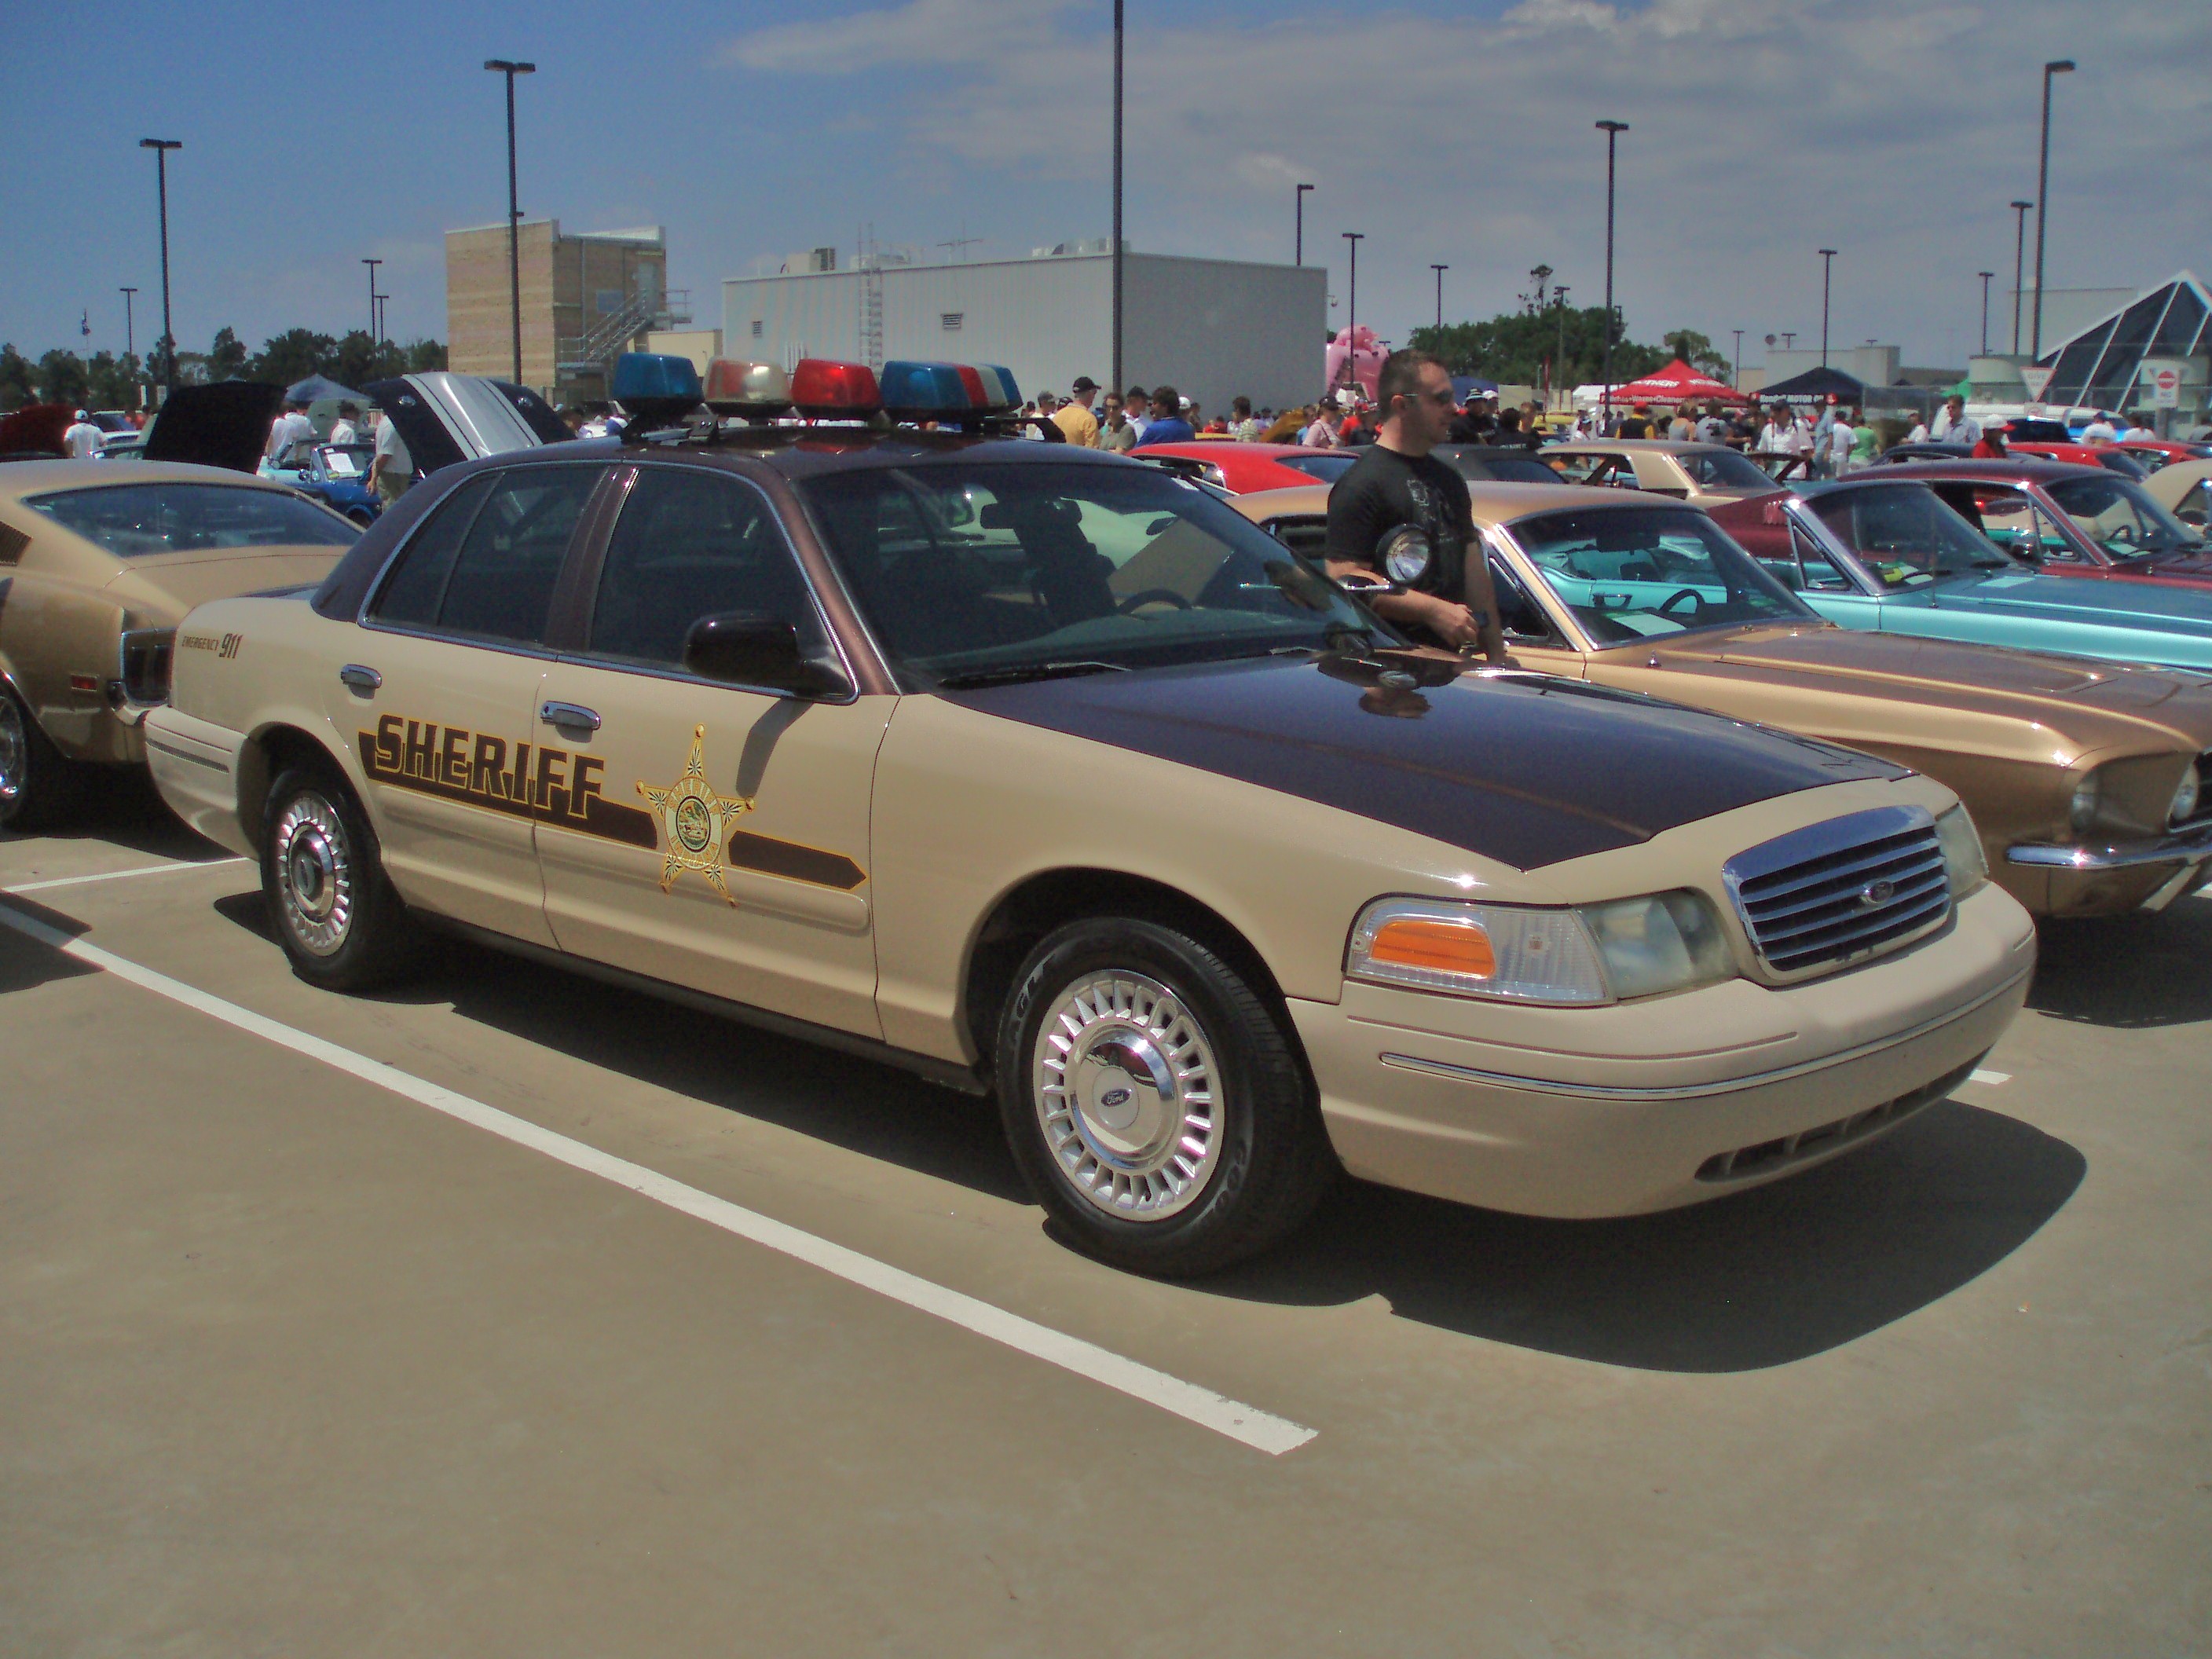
(333, 908)
(1156, 1105)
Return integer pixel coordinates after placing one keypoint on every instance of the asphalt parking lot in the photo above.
(508, 1314)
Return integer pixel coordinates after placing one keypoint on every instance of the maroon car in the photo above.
(2070, 520)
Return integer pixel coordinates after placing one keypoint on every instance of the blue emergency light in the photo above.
(654, 388)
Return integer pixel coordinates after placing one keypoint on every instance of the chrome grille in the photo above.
(1834, 892)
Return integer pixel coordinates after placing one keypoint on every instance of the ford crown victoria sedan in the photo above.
(2091, 785)
(1041, 772)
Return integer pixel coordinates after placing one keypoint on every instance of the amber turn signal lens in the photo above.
(1444, 947)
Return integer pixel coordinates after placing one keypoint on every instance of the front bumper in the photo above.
(2148, 874)
(1649, 1106)
(197, 766)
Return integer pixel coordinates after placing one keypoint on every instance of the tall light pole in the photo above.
(1985, 275)
(1560, 363)
(1736, 374)
(1612, 129)
(130, 336)
(162, 147)
(2056, 66)
(2019, 265)
(1298, 223)
(372, 265)
(1827, 263)
(510, 69)
(1116, 376)
(1440, 271)
(1351, 309)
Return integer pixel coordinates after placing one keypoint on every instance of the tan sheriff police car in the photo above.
(1040, 771)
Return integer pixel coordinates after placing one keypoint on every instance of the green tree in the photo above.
(361, 360)
(19, 379)
(1695, 349)
(114, 381)
(61, 378)
(1514, 347)
(292, 355)
(226, 358)
(426, 357)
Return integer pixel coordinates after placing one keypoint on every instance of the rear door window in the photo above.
(489, 574)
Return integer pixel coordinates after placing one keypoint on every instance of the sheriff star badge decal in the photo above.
(696, 819)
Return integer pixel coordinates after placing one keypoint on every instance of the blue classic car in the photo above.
(1884, 552)
(335, 475)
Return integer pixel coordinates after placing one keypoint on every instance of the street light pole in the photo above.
(2019, 265)
(511, 69)
(162, 147)
(1827, 263)
(1985, 275)
(2056, 66)
(372, 265)
(1736, 374)
(1612, 129)
(1298, 232)
(130, 336)
(1440, 271)
(1116, 376)
(1351, 309)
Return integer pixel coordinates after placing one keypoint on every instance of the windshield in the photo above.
(347, 461)
(1326, 466)
(1723, 469)
(1640, 573)
(135, 520)
(2121, 519)
(991, 570)
(1905, 535)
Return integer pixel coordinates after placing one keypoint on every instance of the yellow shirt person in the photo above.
(1074, 418)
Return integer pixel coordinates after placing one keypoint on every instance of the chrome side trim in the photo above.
(2191, 843)
(186, 755)
(1543, 1085)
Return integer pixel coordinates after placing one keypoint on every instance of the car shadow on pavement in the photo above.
(120, 807)
(2130, 971)
(1761, 1279)
(876, 1110)
(26, 961)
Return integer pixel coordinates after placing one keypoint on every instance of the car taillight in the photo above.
(145, 663)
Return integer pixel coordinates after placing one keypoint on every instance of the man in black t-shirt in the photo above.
(1404, 515)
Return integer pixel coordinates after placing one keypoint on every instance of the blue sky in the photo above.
(1761, 129)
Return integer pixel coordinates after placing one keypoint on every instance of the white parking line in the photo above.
(1989, 1076)
(1262, 1431)
(118, 875)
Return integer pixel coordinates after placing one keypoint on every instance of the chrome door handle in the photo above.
(569, 717)
(360, 678)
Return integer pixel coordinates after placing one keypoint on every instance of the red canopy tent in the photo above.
(1677, 383)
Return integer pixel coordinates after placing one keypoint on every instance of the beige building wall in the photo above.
(570, 285)
(700, 345)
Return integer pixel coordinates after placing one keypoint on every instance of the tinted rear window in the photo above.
(138, 520)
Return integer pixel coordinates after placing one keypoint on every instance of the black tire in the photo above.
(1266, 1160)
(39, 788)
(332, 907)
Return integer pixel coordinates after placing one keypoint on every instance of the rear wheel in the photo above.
(334, 910)
(37, 785)
(1154, 1102)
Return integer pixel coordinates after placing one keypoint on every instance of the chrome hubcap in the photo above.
(1127, 1093)
(14, 750)
(314, 874)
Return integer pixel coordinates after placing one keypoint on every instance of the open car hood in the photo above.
(226, 425)
(445, 419)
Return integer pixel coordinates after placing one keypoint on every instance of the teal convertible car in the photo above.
(1888, 553)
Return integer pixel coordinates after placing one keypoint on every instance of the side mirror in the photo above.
(744, 647)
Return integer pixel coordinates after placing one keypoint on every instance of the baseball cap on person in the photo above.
(1083, 383)
(81, 416)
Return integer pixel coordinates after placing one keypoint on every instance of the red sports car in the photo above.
(2070, 520)
(2155, 453)
(1240, 468)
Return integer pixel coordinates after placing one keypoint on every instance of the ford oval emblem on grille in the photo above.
(1876, 894)
(1113, 1097)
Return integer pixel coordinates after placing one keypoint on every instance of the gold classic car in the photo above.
(2090, 783)
(99, 562)
(1043, 773)
(1701, 473)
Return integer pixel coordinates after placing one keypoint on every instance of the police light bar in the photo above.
(924, 392)
(758, 392)
(654, 388)
(826, 391)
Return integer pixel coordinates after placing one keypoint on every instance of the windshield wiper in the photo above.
(1014, 673)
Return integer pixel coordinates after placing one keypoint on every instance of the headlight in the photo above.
(2082, 812)
(1963, 859)
(2185, 796)
(1406, 552)
(1602, 952)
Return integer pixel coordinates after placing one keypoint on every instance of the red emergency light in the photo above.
(824, 390)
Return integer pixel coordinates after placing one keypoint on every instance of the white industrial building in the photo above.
(1213, 328)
